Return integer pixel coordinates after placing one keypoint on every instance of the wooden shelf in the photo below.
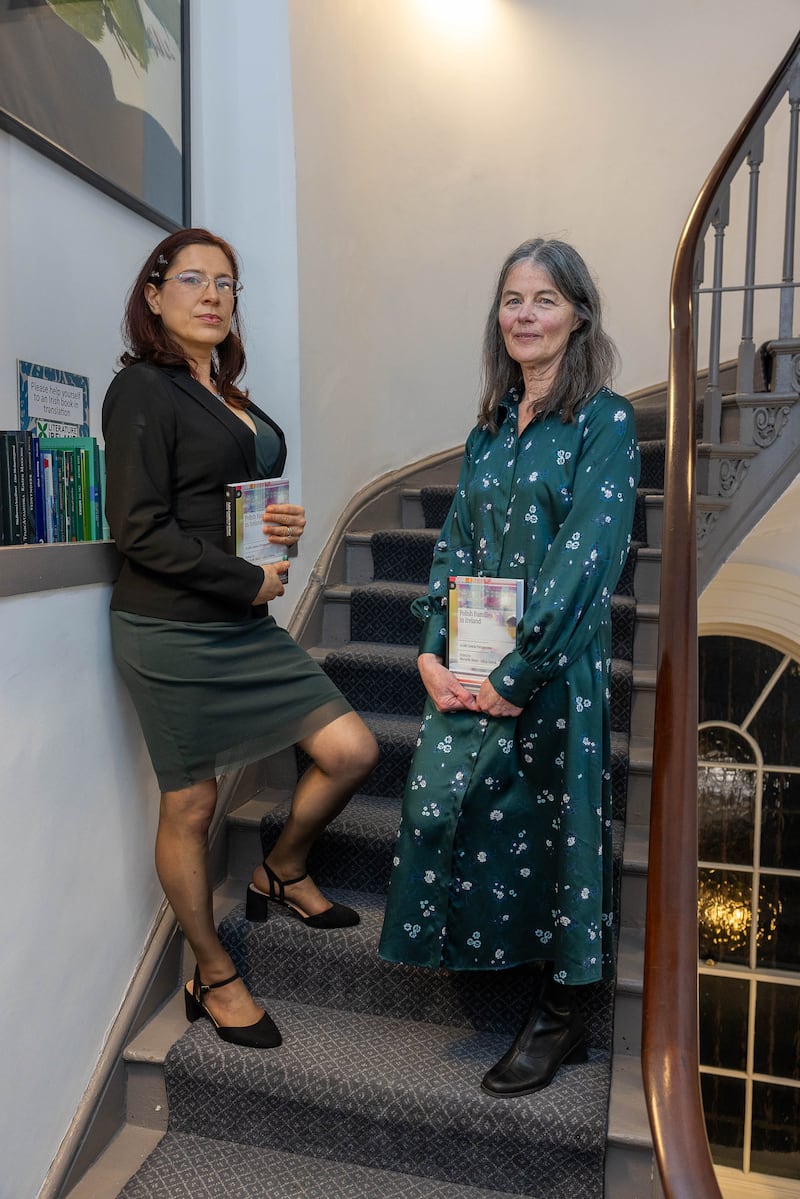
(25, 569)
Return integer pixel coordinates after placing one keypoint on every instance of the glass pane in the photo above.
(726, 814)
(723, 1104)
(715, 744)
(777, 1046)
(779, 923)
(733, 673)
(780, 821)
(775, 726)
(723, 1021)
(724, 916)
(776, 1130)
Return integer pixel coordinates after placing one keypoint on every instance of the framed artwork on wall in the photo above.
(102, 88)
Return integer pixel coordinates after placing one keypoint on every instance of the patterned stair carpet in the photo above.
(187, 1166)
(375, 1091)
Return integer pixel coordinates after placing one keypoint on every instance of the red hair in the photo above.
(143, 330)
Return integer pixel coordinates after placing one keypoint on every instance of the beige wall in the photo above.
(424, 154)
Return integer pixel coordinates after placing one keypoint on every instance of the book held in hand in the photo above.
(482, 618)
(244, 519)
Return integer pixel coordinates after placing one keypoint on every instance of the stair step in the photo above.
(390, 1094)
(355, 851)
(285, 960)
(645, 637)
(384, 679)
(186, 1166)
(380, 612)
(123, 1156)
(628, 1154)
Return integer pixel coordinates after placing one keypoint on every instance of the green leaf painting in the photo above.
(124, 20)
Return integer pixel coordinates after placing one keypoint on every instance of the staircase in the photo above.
(375, 1090)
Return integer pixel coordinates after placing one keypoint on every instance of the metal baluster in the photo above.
(745, 374)
(712, 405)
(699, 275)
(787, 293)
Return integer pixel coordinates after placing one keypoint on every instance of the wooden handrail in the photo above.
(670, 1060)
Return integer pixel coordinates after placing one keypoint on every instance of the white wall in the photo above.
(757, 591)
(79, 801)
(244, 188)
(427, 150)
(77, 885)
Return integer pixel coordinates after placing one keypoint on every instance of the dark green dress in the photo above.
(504, 849)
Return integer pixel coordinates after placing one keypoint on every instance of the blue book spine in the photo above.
(39, 512)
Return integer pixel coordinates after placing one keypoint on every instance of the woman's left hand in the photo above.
(284, 523)
(492, 704)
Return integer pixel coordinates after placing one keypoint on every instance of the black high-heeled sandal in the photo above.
(257, 909)
(262, 1035)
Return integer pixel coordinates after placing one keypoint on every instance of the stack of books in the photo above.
(51, 489)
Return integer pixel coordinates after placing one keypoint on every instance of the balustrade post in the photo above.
(745, 374)
(783, 381)
(712, 403)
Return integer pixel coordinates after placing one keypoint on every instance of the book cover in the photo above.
(101, 495)
(482, 618)
(67, 500)
(96, 492)
(244, 519)
(25, 477)
(50, 487)
(86, 482)
(12, 528)
(39, 514)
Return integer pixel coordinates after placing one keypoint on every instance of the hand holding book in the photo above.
(284, 523)
(274, 584)
(446, 692)
(260, 523)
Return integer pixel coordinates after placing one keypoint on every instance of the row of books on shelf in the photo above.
(51, 489)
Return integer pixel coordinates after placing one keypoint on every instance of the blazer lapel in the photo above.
(218, 409)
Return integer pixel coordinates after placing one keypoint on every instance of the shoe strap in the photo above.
(201, 988)
(278, 884)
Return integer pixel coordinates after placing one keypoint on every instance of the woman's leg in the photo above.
(344, 753)
(182, 865)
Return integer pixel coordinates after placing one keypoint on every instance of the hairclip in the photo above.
(161, 261)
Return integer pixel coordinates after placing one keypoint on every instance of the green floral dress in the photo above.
(504, 849)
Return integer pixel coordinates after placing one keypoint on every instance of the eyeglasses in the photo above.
(194, 281)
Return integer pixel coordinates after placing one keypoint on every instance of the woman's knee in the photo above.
(191, 808)
(345, 747)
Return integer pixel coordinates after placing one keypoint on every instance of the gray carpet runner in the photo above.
(375, 1091)
(187, 1166)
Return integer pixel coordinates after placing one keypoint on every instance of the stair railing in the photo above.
(670, 1059)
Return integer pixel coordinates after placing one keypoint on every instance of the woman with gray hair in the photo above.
(504, 850)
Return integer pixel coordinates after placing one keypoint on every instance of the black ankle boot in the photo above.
(551, 1036)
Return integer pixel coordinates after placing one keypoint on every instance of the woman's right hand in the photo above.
(275, 575)
(447, 694)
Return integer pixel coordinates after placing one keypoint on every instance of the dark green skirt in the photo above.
(214, 695)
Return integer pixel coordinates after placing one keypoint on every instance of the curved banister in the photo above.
(670, 1060)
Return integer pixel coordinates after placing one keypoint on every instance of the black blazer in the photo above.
(171, 446)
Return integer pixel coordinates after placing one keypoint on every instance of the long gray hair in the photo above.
(590, 355)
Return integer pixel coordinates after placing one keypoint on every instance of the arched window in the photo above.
(749, 905)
